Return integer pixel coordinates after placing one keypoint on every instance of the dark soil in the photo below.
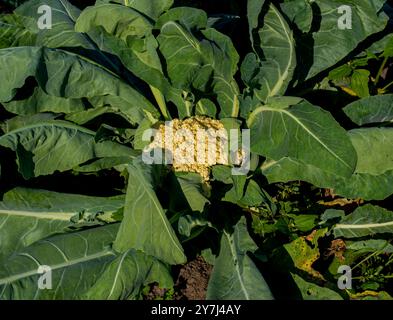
(5, 8)
(191, 283)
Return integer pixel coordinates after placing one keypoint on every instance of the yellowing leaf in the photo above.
(304, 252)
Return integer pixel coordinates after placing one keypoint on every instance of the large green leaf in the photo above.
(130, 38)
(376, 146)
(28, 215)
(375, 109)
(305, 133)
(77, 260)
(144, 215)
(61, 33)
(83, 264)
(365, 221)
(331, 43)
(66, 32)
(235, 276)
(125, 277)
(373, 174)
(46, 147)
(269, 70)
(194, 63)
(359, 185)
(64, 74)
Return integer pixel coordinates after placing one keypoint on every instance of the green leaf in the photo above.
(46, 147)
(332, 44)
(76, 260)
(359, 185)
(375, 109)
(340, 73)
(29, 215)
(388, 52)
(254, 196)
(191, 185)
(370, 246)
(300, 13)
(13, 32)
(304, 133)
(311, 291)
(193, 63)
(373, 174)
(235, 276)
(205, 107)
(365, 221)
(222, 173)
(254, 8)
(191, 18)
(126, 275)
(236, 193)
(144, 215)
(304, 222)
(152, 8)
(359, 82)
(83, 117)
(191, 226)
(83, 265)
(331, 214)
(125, 22)
(89, 30)
(94, 80)
(61, 33)
(130, 37)
(23, 121)
(376, 147)
(103, 164)
(270, 73)
(39, 101)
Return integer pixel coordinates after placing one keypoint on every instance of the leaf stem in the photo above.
(385, 88)
(381, 70)
(365, 259)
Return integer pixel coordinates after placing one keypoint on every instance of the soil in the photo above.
(4, 8)
(191, 283)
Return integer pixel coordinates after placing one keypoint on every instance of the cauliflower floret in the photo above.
(196, 144)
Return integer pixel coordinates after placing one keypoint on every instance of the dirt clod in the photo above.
(193, 279)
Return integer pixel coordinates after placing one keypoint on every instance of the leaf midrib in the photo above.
(50, 215)
(253, 115)
(236, 260)
(364, 226)
(103, 253)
